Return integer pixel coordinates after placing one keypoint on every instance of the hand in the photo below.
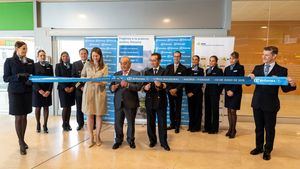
(291, 82)
(173, 92)
(42, 92)
(229, 93)
(72, 89)
(124, 83)
(23, 76)
(147, 87)
(157, 83)
(67, 89)
(81, 88)
(252, 76)
(114, 87)
(190, 94)
(46, 94)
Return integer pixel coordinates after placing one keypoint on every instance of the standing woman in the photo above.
(94, 94)
(195, 96)
(41, 94)
(65, 90)
(233, 93)
(17, 70)
(212, 98)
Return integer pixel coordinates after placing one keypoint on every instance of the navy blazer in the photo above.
(62, 71)
(12, 67)
(238, 70)
(265, 97)
(181, 71)
(214, 89)
(194, 88)
(40, 70)
(76, 72)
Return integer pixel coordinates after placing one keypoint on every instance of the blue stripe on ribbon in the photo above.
(275, 81)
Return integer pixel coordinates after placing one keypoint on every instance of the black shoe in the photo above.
(23, 150)
(177, 130)
(256, 151)
(170, 128)
(79, 128)
(69, 127)
(152, 144)
(38, 128)
(132, 145)
(228, 133)
(232, 134)
(267, 156)
(116, 145)
(166, 147)
(23, 144)
(45, 128)
(212, 132)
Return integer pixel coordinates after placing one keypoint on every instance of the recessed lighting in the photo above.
(82, 16)
(264, 27)
(166, 20)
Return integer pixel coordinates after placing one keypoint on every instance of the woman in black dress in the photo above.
(212, 98)
(233, 93)
(65, 90)
(41, 94)
(17, 70)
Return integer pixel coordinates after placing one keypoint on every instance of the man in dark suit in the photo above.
(175, 91)
(76, 72)
(265, 101)
(126, 102)
(156, 104)
(195, 96)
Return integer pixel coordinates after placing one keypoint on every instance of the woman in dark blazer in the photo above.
(212, 98)
(41, 94)
(65, 90)
(195, 96)
(233, 93)
(17, 70)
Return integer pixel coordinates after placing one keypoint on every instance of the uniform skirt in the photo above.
(66, 99)
(20, 103)
(39, 101)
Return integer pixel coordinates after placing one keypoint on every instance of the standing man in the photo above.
(156, 104)
(175, 91)
(76, 72)
(126, 102)
(195, 96)
(265, 101)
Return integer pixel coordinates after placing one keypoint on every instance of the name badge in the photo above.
(235, 70)
(214, 73)
(179, 73)
(48, 68)
(195, 73)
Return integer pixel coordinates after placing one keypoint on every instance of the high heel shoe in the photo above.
(98, 141)
(23, 150)
(228, 133)
(91, 143)
(45, 128)
(22, 143)
(38, 128)
(232, 134)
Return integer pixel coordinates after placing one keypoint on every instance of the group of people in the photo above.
(91, 99)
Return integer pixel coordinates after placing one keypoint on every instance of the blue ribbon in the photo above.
(275, 81)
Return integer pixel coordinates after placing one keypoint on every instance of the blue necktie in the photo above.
(266, 70)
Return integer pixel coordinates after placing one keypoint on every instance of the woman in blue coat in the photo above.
(17, 70)
(41, 94)
(233, 93)
(65, 90)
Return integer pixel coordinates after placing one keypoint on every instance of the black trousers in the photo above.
(195, 111)
(79, 114)
(175, 103)
(162, 125)
(120, 115)
(264, 121)
(211, 112)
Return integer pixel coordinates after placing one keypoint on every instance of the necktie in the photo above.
(83, 62)
(267, 68)
(155, 71)
(209, 70)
